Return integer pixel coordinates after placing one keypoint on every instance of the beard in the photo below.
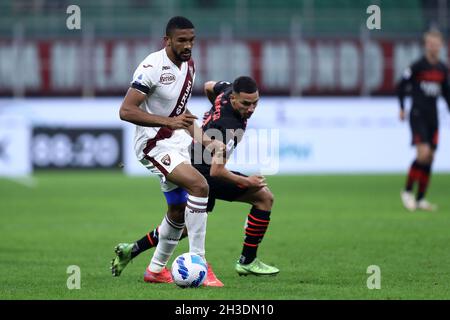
(182, 56)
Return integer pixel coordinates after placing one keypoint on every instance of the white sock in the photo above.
(169, 235)
(195, 216)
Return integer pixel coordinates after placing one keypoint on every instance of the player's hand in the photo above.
(183, 121)
(217, 146)
(402, 115)
(256, 182)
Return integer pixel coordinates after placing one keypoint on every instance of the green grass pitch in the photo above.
(324, 233)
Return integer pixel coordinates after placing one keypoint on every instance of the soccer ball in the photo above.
(189, 270)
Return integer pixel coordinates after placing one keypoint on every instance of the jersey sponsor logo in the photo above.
(184, 99)
(430, 88)
(147, 65)
(184, 94)
(167, 78)
(165, 68)
(166, 160)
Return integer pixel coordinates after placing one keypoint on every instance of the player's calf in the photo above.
(188, 178)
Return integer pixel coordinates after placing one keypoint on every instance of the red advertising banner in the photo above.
(60, 67)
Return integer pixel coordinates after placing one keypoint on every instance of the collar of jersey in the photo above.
(174, 66)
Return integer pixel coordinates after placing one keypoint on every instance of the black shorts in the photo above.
(424, 129)
(220, 189)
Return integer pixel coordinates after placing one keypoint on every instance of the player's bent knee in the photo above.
(199, 188)
(425, 158)
(268, 196)
(264, 199)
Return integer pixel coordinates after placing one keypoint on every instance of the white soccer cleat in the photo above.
(425, 205)
(409, 201)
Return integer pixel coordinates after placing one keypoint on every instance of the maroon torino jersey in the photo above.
(427, 82)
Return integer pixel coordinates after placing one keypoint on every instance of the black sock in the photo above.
(150, 240)
(255, 229)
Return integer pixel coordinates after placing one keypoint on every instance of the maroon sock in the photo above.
(413, 175)
(424, 181)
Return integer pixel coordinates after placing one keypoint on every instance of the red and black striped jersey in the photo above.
(221, 122)
(426, 82)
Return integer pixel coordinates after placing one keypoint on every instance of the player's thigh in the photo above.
(419, 130)
(224, 190)
(188, 178)
(231, 192)
(220, 188)
(162, 160)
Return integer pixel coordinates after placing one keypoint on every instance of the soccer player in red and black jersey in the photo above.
(428, 78)
(233, 105)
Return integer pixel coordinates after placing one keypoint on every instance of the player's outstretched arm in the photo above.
(131, 112)
(197, 133)
(208, 88)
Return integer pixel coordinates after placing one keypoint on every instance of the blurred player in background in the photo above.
(233, 105)
(428, 78)
(156, 104)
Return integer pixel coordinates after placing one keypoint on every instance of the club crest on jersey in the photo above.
(167, 78)
(166, 160)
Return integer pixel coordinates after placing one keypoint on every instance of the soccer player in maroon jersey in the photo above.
(156, 103)
(233, 105)
(428, 78)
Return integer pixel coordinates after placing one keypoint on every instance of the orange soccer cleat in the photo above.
(158, 277)
(211, 279)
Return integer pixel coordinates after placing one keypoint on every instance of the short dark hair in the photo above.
(244, 84)
(178, 22)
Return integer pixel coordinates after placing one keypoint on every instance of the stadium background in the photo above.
(328, 94)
